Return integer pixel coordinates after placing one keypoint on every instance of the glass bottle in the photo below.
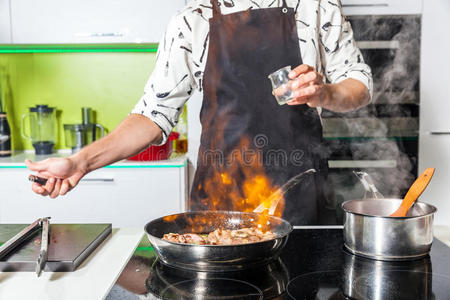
(180, 145)
(5, 130)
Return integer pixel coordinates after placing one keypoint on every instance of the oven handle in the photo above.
(367, 5)
(440, 132)
(378, 44)
(361, 164)
(97, 180)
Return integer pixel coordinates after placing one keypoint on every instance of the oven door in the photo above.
(381, 138)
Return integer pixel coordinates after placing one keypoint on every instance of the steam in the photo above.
(395, 82)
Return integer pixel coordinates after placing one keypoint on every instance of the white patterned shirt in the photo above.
(325, 38)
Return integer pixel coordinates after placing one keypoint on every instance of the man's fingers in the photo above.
(280, 90)
(56, 190)
(306, 79)
(70, 183)
(50, 185)
(300, 70)
(38, 189)
(298, 101)
(308, 91)
(310, 101)
(65, 187)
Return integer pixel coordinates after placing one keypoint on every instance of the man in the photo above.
(227, 49)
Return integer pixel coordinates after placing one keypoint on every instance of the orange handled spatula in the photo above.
(414, 192)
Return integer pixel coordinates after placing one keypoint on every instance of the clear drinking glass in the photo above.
(279, 81)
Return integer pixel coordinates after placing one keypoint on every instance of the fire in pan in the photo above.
(217, 258)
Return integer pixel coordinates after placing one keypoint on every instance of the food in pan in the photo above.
(222, 237)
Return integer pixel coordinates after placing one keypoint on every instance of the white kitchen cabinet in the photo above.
(434, 152)
(382, 7)
(123, 196)
(5, 22)
(434, 78)
(434, 147)
(91, 21)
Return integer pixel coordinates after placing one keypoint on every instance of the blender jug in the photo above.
(42, 124)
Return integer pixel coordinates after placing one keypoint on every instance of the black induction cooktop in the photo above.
(313, 265)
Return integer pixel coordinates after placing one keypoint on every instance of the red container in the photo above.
(157, 152)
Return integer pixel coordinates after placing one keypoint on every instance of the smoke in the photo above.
(386, 130)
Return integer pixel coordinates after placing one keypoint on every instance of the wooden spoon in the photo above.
(414, 192)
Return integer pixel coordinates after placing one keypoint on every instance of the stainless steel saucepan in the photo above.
(216, 258)
(370, 232)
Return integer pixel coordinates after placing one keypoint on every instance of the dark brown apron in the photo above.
(244, 48)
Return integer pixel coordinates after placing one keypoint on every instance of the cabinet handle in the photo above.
(97, 179)
(439, 132)
(367, 5)
(99, 34)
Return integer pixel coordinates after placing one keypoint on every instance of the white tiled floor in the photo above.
(442, 233)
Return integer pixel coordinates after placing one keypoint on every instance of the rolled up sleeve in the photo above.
(341, 57)
(171, 82)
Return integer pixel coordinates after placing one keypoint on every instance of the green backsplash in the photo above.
(109, 83)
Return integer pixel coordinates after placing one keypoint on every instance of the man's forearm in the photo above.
(345, 96)
(134, 134)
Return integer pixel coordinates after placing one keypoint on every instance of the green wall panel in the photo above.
(110, 83)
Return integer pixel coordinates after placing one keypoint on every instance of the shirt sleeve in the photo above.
(340, 55)
(171, 82)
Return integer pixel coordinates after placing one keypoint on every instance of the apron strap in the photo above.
(216, 8)
(284, 4)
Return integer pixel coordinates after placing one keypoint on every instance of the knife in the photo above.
(42, 260)
(37, 179)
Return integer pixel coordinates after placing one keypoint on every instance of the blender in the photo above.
(79, 135)
(42, 124)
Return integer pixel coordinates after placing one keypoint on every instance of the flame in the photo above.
(226, 191)
(170, 218)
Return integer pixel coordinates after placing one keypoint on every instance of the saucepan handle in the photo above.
(369, 186)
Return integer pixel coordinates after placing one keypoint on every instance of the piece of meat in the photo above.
(253, 239)
(240, 233)
(222, 237)
(192, 238)
(181, 239)
(212, 239)
(268, 235)
(172, 237)
(239, 241)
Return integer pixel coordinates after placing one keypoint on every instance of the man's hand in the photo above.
(133, 135)
(63, 175)
(307, 87)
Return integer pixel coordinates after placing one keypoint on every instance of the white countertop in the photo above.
(442, 233)
(18, 158)
(92, 280)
